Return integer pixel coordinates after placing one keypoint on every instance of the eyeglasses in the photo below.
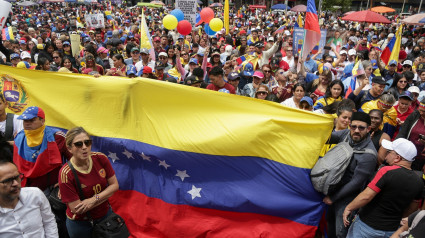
(8, 182)
(267, 71)
(55, 57)
(184, 54)
(354, 127)
(79, 144)
(329, 61)
(402, 81)
(162, 57)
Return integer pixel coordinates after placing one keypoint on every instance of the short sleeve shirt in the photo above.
(92, 182)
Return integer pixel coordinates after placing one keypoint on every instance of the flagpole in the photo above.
(420, 5)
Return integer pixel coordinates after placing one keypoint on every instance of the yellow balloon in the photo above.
(216, 24)
(170, 22)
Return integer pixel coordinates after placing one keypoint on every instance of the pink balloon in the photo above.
(207, 14)
(184, 27)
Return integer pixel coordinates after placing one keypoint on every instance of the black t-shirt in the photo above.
(419, 230)
(397, 187)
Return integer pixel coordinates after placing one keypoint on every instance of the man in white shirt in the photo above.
(24, 212)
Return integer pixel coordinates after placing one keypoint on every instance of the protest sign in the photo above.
(95, 20)
(298, 42)
(188, 7)
(5, 8)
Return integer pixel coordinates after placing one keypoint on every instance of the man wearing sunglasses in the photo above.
(39, 152)
(357, 174)
(24, 212)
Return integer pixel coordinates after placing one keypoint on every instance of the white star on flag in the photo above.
(195, 192)
(182, 174)
(163, 163)
(128, 154)
(113, 156)
(145, 157)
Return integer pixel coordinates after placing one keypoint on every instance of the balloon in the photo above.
(208, 30)
(216, 24)
(178, 14)
(184, 27)
(207, 14)
(170, 22)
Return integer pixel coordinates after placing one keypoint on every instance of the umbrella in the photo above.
(299, 8)
(158, 3)
(382, 9)
(345, 14)
(217, 4)
(366, 16)
(27, 4)
(280, 7)
(414, 19)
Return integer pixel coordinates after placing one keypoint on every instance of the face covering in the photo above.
(35, 137)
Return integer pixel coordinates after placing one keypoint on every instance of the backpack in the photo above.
(416, 220)
(329, 170)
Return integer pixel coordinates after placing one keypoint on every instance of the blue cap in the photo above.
(233, 76)
(14, 56)
(120, 31)
(22, 42)
(123, 39)
(193, 60)
(31, 112)
(248, 70)
(308, 100)
(407, 95)
(66, 43)
(374, 37)
(86, 39)
(392, 62)
(131, 69)
(109, 34)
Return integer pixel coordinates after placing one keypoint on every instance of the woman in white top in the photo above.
(298, 91)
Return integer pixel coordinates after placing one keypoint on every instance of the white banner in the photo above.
(5, 8)
(95, 20)
(189, 8)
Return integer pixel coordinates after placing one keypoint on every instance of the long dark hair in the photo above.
(328, 93)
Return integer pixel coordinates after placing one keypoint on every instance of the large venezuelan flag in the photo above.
(312, 32)
(192, 162)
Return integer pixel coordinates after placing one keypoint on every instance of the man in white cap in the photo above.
(393, 194)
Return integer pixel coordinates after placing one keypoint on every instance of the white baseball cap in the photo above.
(343, 52)
(408, 62)
(352, 52)
(403, 147)
(413, 89)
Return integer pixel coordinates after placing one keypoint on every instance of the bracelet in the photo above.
(97, 198)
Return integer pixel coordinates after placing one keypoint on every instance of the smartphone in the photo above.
(422, 137)
(327, 48)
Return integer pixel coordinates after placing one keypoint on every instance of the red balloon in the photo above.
(207, 14)
(184, 27)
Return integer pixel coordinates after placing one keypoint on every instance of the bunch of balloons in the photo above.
(176, 19)
(212, 25)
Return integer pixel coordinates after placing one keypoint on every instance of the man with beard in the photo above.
(25, 212)
(357, 174)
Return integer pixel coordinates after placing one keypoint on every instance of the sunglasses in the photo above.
(267, 71)
(262, 93)
(354, 127)
(55, 57)
(79, 144)
(402, 81)
(9, 181)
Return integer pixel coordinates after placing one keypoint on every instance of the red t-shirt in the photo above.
(228, 88)
(402, 117)
(93, 182)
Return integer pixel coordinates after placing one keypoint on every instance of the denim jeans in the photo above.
(80, 229)
(360, 229)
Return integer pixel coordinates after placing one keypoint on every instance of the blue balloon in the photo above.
(178, 14)
(208, 30)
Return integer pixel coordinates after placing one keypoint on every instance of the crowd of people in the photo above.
(380, 106)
